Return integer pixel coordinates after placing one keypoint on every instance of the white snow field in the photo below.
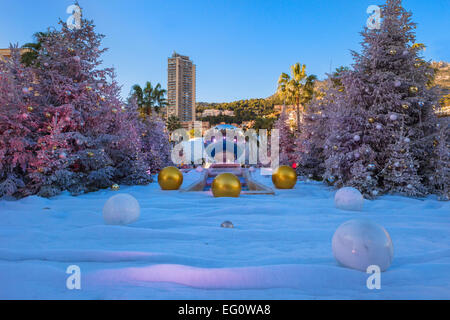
(280, 247)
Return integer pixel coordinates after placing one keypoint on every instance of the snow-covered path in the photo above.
(280, 247)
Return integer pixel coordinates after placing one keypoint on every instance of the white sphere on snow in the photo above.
(358, 244)
(121, 209)
(349, 198)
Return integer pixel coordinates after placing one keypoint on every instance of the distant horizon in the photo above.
(240, 47)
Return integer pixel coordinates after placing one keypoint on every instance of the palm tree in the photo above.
(144, 97)
(31, 53)
(159, 98)
(148, 97)
(296, 88)
(173, 123)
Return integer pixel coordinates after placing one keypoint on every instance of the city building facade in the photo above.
(181, 88)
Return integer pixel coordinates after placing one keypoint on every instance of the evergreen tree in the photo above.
(20, 121)
(315, 127)
(79, 135)
(382, 130)
(287, 141)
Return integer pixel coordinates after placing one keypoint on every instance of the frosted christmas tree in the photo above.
(85, 138)
(287, 141)
(384, 125)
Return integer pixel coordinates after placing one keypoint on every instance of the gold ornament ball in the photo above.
(405, 106)
(413, 89)
(417, 64)
(170, 178)
(335, 148)
(30, 108)
(48, 115)
(392, 52)
(371, 120)
(115, 187)
(284, 177)
(90, 154)
(226, 185)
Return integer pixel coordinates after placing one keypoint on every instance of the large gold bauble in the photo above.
(170, 178)
(284, 177)
(226, 185)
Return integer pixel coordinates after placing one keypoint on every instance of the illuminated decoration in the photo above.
(413, 89)
(30, 108)
(226, 185)
(115, 187)
(170, 178)
(284, 178)
(392, 52)
(358, 244)
(371, 120)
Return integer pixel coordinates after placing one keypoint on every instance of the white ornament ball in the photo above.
(379, 127)
(121, 209)
(349, 198)
(407, 140)
(77, 59)
(358, 244)
(397, 83)
(393, 117)
(356, 138)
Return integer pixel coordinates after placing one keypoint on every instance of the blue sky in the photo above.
(240, 46)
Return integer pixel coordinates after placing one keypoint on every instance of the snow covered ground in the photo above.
(280, 247)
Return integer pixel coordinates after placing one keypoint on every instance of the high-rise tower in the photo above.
(181, 88)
